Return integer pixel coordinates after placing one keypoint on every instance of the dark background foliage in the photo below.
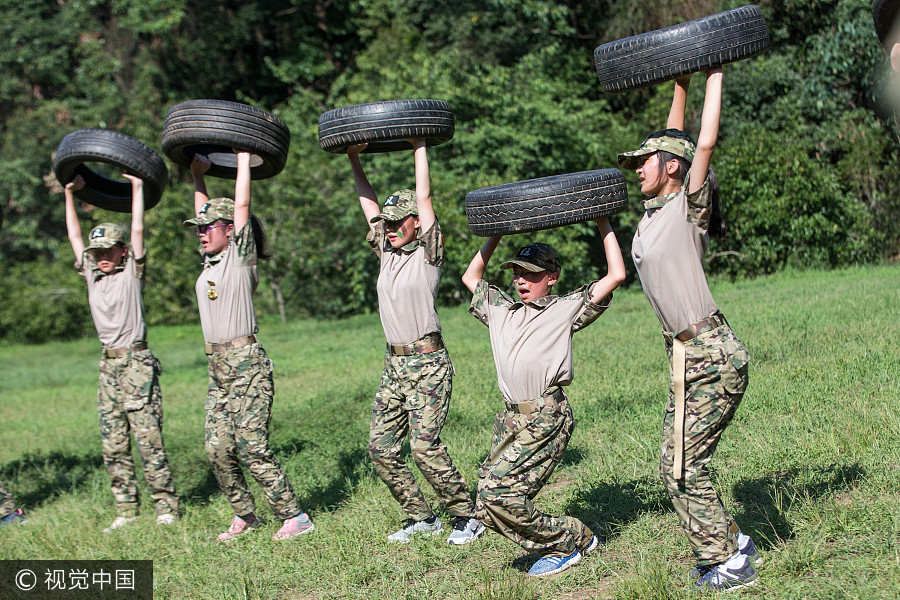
(807, 158)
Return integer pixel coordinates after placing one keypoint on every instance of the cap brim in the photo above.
(101, 246)
(632, 160)
(521, 263)
(198, 221)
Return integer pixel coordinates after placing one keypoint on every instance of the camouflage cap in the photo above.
(218, 208)
(106, 235)
(679, 147)
(398, 205)
(535, 257)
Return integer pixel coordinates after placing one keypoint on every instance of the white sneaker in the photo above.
(166, 519)
(119, 522)
(411, 528)
(465, 530)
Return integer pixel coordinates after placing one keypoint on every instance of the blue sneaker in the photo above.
(16, 517)
(592, 546)
(718, 578)
(551, 565)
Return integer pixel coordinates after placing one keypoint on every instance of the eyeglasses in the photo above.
(204, 229)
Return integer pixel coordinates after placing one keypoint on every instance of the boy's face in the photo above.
(531, 285)
(109, 259)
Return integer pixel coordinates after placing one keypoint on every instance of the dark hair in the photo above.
(716, 222)
(259, 237)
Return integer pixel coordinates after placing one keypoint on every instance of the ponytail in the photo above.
(716, 222)
(261, 239)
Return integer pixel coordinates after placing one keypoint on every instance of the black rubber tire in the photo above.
(545, 203)
(386, 125)
(215, 128)
(657, 56)
(884, 14)
(119, 150)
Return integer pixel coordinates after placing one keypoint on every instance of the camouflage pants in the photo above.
(238, 412)
(525, 451)
(7, 504)
(414, 399)
(716, 375)
(129, 401)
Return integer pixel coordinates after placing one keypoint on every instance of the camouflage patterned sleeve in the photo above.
(139, 265)
(699, 206)
(485, 296)
(433, 242)
(590, 312)
(375, 238)
(81, 263)
(246, 245)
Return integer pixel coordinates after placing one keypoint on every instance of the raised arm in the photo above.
(423, 185)
(679, 101)
(73, 227)
(137, 215)
(615, 265)
(242, 191)
(475, 272)
(199, 165)
(709, 129)
(367, 198)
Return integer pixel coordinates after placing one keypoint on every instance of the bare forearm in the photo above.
(475, 272)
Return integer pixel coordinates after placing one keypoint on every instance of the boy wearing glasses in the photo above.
(414, 396)
(129, 397)
(532, 344)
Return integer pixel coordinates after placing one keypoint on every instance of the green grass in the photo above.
(810, 467)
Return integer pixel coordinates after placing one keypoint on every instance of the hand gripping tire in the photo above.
(386, 125)
(123, 152)
(215, 128)
(545, 203)
(884, 14)
(657, 56)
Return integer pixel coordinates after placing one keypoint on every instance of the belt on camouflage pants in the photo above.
(554, 395)
(238, 342)
(430, 342)
(115, 352)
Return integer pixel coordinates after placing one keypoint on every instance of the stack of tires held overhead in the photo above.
(217, 128)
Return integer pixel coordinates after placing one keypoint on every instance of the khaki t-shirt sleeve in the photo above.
(245, 244)
(486, 296)
(590, 312)
(699, 205)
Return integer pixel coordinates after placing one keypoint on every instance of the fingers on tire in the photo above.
(385, 125)
(546, 202)
(664, 54)
(215, 128)
(79, 149)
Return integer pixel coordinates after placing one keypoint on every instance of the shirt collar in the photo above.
(659, 201)
(541, 303)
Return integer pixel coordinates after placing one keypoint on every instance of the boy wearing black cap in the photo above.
(531, 435)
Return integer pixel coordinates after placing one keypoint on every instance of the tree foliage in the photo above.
(807, 154)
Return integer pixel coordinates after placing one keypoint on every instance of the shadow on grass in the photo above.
(46, 475)
(765, 501)
(611, 506)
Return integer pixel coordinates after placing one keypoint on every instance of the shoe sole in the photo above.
(594, 543)
(309, 529)
(410, 536)
(237, 535)
(478, 533)
(561, 568)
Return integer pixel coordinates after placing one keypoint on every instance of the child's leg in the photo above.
(114, 438)
(251, 406)
(525, 452)
(714, 388)
(7, 503)
(433, 389)
(387, 430)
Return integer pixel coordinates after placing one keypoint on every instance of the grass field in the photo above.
(810, 467)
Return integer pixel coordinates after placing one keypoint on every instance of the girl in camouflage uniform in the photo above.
(129, 398)
(414, 396)
(708, 362)
(241, 387)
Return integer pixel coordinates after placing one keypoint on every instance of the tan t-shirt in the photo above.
(225, 290)
(408, 283)
(532, 342)
(116, 300)
(668, 250)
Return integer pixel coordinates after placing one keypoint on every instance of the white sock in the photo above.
(742, 539)
(736, 561)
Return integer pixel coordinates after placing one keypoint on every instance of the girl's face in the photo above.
(651, 176)
(400, 233)
(109, 259)
(531, 285)
(214, 237)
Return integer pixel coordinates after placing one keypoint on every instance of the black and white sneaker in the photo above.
(465, 530)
